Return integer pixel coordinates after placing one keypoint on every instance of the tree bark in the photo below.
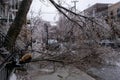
(16, 26)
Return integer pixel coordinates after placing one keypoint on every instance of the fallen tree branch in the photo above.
(51, 60)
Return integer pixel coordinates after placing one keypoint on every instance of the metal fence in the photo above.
(5, 67)
(1, 39)
(5, 73)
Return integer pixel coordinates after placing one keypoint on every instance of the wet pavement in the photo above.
(64, 73)
(105, 73)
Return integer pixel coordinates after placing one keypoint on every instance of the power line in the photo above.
(49, 13)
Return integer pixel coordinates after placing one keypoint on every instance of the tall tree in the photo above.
(16, 26)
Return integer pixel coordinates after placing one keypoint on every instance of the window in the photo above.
(111, 14)
(118, 12)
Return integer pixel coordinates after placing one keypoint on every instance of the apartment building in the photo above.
(8, 9)
(111, 11)
(97, 10)
(114, 11)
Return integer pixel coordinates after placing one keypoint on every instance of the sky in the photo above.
(49, 13)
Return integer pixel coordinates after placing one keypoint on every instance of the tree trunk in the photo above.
(16, 26)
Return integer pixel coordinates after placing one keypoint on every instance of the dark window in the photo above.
(111, 15)
(118, 12)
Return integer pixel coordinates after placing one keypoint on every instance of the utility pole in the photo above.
(74, 2)
(59, 2)
(31, 29)
(47, 36)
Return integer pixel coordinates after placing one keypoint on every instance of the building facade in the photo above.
(97, 10)
(8, 9)
(111, 11)
(108, 12)
(114, 11)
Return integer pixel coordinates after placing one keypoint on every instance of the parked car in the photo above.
(107, 43)
(53, 44)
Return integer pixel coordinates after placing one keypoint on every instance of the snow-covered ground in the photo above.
(13, 76)
(63, 73)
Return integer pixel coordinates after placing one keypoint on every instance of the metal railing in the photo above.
(5, 67)
(4, 73)
(1, 39)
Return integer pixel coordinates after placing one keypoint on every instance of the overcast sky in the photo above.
(49, 13)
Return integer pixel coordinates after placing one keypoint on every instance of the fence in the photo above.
(5, 67)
